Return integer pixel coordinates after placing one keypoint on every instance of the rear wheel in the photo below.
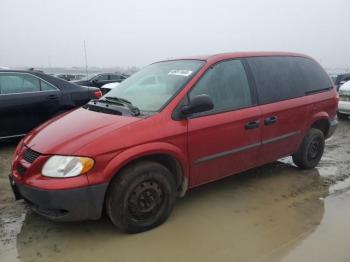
(311, 150)
(342, 116)
(141, 197)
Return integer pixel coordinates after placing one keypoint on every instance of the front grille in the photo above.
(21, 170)
(30, 156)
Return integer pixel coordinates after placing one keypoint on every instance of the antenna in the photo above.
(86, 65)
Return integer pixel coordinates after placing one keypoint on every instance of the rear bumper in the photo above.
(63, 205)
(332, 126)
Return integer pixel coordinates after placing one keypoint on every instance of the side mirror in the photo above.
(95, 80)
(200, 103)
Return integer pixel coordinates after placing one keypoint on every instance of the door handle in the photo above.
(270, 120)
(51, 97)
(251, 125)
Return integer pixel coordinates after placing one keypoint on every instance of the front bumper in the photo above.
(63, 205)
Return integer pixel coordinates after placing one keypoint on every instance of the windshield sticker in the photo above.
(178, 72)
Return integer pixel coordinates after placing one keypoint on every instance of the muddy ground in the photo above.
(273, 213)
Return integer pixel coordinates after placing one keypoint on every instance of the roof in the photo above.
(223, 56)
(20, 71)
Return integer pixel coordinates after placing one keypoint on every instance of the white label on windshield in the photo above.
(178, 72)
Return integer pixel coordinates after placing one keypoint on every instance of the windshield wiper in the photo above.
(124, 102)
(119, 99)
(95, 101)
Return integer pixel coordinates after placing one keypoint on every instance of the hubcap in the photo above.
(145, 199)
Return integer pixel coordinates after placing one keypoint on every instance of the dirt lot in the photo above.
(273, 213)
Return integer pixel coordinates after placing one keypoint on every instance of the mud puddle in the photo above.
(273, 213)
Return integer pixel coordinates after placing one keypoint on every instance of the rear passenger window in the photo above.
(314, 77)
(46, 87)
(13, 83)
(114, 77)
(277, 78)
(227, 85)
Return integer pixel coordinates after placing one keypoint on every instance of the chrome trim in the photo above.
(5, 137)
(55, 87)
(244, 148)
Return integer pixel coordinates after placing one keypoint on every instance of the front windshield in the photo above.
(152, 87)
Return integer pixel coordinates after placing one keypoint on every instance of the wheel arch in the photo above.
(165, 154)
(321, 121)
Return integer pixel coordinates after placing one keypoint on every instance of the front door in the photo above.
(225, 140)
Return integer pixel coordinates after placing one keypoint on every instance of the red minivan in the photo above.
(172, 126)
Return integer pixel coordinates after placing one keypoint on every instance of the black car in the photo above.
(70, 77)
(98, 80)
(341, 79)
(28, 98)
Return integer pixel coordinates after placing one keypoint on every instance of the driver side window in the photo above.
(227, 85)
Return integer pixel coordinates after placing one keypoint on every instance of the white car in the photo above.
(108, 87)
(344, 101)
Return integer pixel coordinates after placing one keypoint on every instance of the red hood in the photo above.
(69, 132)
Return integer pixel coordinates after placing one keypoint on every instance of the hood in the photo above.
(345, 86)
(67, 133)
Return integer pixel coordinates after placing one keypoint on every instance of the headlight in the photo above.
(67, 166)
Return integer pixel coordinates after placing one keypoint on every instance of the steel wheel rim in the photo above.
(314, 149)
(145, 200)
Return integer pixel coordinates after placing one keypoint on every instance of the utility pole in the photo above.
(86, 65)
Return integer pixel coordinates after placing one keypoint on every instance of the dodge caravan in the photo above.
(173, 126)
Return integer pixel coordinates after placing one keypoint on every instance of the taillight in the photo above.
(98, 93)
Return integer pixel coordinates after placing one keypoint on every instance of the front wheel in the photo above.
(141, 197)
(311, 150)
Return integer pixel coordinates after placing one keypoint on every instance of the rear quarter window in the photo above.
(315, 79)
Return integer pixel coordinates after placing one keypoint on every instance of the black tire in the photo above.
(311, 149)
(342, 116)
(141, 197)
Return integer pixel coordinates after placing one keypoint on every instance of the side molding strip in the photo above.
(278, 138)
(244, 148)
(6, 137)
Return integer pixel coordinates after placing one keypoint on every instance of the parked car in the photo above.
(205, 118)
(151, 80)
(108, 87)
(344, 101)
(28, 98)
(98, 80)
(70, 77)
(341, 79)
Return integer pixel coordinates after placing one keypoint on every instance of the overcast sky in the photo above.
(125, 33)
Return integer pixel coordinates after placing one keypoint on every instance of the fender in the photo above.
(144, 150)
(319, 116)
